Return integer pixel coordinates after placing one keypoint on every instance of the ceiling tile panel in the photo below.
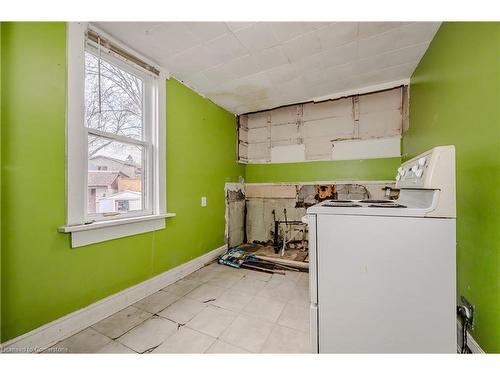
(284, 31)
(257, 37)
(341, 55)
(338, 34)
(206, 31)
(249, 66)
(302, 46)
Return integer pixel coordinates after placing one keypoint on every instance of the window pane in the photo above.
(115, 176)
(113, 103)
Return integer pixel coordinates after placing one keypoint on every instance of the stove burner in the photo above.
(340, 204)
(390, 205)
(377, 201)
(339, 201)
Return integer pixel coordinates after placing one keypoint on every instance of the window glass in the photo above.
(114, 99)
(115, 176)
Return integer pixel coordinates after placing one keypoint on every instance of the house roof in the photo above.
(124, 162)
(103, 178)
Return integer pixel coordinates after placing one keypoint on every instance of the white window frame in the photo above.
(84, 228)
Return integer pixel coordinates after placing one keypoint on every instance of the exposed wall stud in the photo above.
(355, 112)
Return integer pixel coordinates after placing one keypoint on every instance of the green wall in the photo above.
(0, 181)
(373, 169)
(42, 277)
(455, 99)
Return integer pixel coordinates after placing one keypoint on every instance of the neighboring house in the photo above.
(108, 176)
(102, 183)
(122, 201)
(107, 163)
(132, 184)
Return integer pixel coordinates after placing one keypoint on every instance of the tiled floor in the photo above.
(216, 309)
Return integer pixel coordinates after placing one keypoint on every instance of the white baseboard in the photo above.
(471, 343)
(66, 326)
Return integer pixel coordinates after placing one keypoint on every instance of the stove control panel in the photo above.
(433, 169)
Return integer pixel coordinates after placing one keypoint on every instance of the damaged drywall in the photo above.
(327, 130)
(254, 212)
(235, 213)
(263, 199)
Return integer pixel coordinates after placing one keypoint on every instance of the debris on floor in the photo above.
(267, 249)
(238, 257)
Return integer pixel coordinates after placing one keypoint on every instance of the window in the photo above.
(115, 139)
(118, 124)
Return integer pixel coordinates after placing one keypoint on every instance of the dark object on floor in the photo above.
(237, 257)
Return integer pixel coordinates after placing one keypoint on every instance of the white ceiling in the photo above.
(250, 66)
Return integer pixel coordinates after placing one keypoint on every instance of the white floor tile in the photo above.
(300, 296)
(203, 274)
(294, 276)
(86, 341)
(183, 287)
(258, 275)
(233, 300)
(303, 280)
(248, 333)
(249, 285)
(286, 340)
(265, 308)
(183, 310)
(259, 299)
(295, 316)
(206, 293)
(225, 280)
(157, 301)
(186, 340)
(114, 347)
(221, 347)
(121, 322)
(278, 290)
(212, 321)
(149, 334)
(289, 276)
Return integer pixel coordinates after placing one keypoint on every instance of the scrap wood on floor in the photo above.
(238, 257)
(266, 249)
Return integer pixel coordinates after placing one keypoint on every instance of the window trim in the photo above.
(76, 150)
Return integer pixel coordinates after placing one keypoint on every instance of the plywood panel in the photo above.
(334, 108)
(331, 128)
(285, 115)
(380, 101)
(243, 151)
(318, 148)
(288, 154)
(270, 191)
(284, 132)
(283, 142)
(243, 135)
(367, 149)
(243, 121)
(257, 120)
(380, 124)
(258, 151)
(257, 135)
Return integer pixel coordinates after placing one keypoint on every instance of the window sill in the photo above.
(86, 234)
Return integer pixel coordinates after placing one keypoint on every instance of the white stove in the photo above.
(382, 273)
